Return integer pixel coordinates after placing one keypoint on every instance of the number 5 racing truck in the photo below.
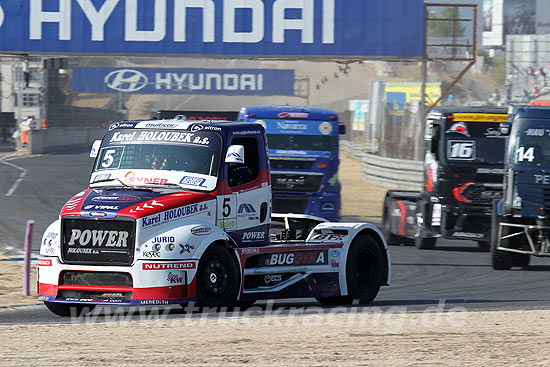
(520, 225)
(463, 166)
(179, 211)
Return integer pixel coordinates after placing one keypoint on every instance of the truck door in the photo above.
(249, 190)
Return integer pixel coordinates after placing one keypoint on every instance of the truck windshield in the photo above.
(159, 157)
(478, 142)
(530, 142)
(302, 142)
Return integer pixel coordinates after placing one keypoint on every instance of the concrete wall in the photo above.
(62, 139)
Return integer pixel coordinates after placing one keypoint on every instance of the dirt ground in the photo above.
(418, 339)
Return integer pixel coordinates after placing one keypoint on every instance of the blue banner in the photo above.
(179, 81)
(336, 28)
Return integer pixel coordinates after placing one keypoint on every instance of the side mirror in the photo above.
(504, 128)
(235, 154)
(95, 149)
(341, 129)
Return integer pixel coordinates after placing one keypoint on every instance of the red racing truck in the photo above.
(179, 211)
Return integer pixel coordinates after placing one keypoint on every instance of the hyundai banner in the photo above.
(180, 81)
(298, 28)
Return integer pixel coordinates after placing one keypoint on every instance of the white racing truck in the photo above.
(179, 211)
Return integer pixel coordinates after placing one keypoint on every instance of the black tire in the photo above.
(217, 278)
(500, 260)
(391, 239)
(364, 273)
(483, 246)
(69, 309)
(424, 243)
(364, 269)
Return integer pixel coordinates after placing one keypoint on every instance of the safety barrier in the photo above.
(391, 173)
(62, 139)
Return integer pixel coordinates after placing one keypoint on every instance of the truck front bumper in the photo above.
(146, 282)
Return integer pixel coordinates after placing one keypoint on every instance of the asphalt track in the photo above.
(453, 275)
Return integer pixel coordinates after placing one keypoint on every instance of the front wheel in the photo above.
(69, 309)
(424, 243)
(217, 278)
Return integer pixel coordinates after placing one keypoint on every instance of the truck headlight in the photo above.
(436, 215)
(516, 202)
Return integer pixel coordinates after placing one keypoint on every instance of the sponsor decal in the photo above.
(126, 80)
(492, 133)
(200, 230)
(153, 302)
(160, 125)
(227, 224)
(115, 198)
(151, 254)
(334, 253)
(130, 178)
(253, 236)
(173, 214)
(249, 250)
(334, 264)
(101, 207)
(317, 287)
(459, 127)
(329, 237)
(52, 235)
(102, 176)
(325, 128)
(196, 127)
(296, 115)
(542, 179)
(481, 117)
(290, 126)
(44, 262)
(186, 248)
(192, 181)
(295, 258)
(247, 211)
(275, 278)
(114, 126)
(169, 266)
(174, 278)
(164, 239)
(328, 207)
(469, 235)
(246, 132)
(98, 238)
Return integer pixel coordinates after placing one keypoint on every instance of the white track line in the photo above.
(19, 179)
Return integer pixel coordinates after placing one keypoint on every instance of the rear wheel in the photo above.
(217, 278)
(364, 272)
(69, 309)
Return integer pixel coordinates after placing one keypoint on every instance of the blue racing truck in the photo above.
(520, 225)
(303, 154)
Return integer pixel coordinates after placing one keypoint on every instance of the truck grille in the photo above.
(290, 164)
(98, 242)
(289, 205)
(100, 278)
(295, 182)
(479, 194)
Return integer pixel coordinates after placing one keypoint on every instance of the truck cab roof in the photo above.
(290, 112)
(539, 112)
(178, 124)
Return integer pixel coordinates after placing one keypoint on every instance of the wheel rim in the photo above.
(366, 269)
(214, 277)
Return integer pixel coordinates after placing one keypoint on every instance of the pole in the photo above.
(27, 262)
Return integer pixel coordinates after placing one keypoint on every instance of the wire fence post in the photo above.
(27, 262)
